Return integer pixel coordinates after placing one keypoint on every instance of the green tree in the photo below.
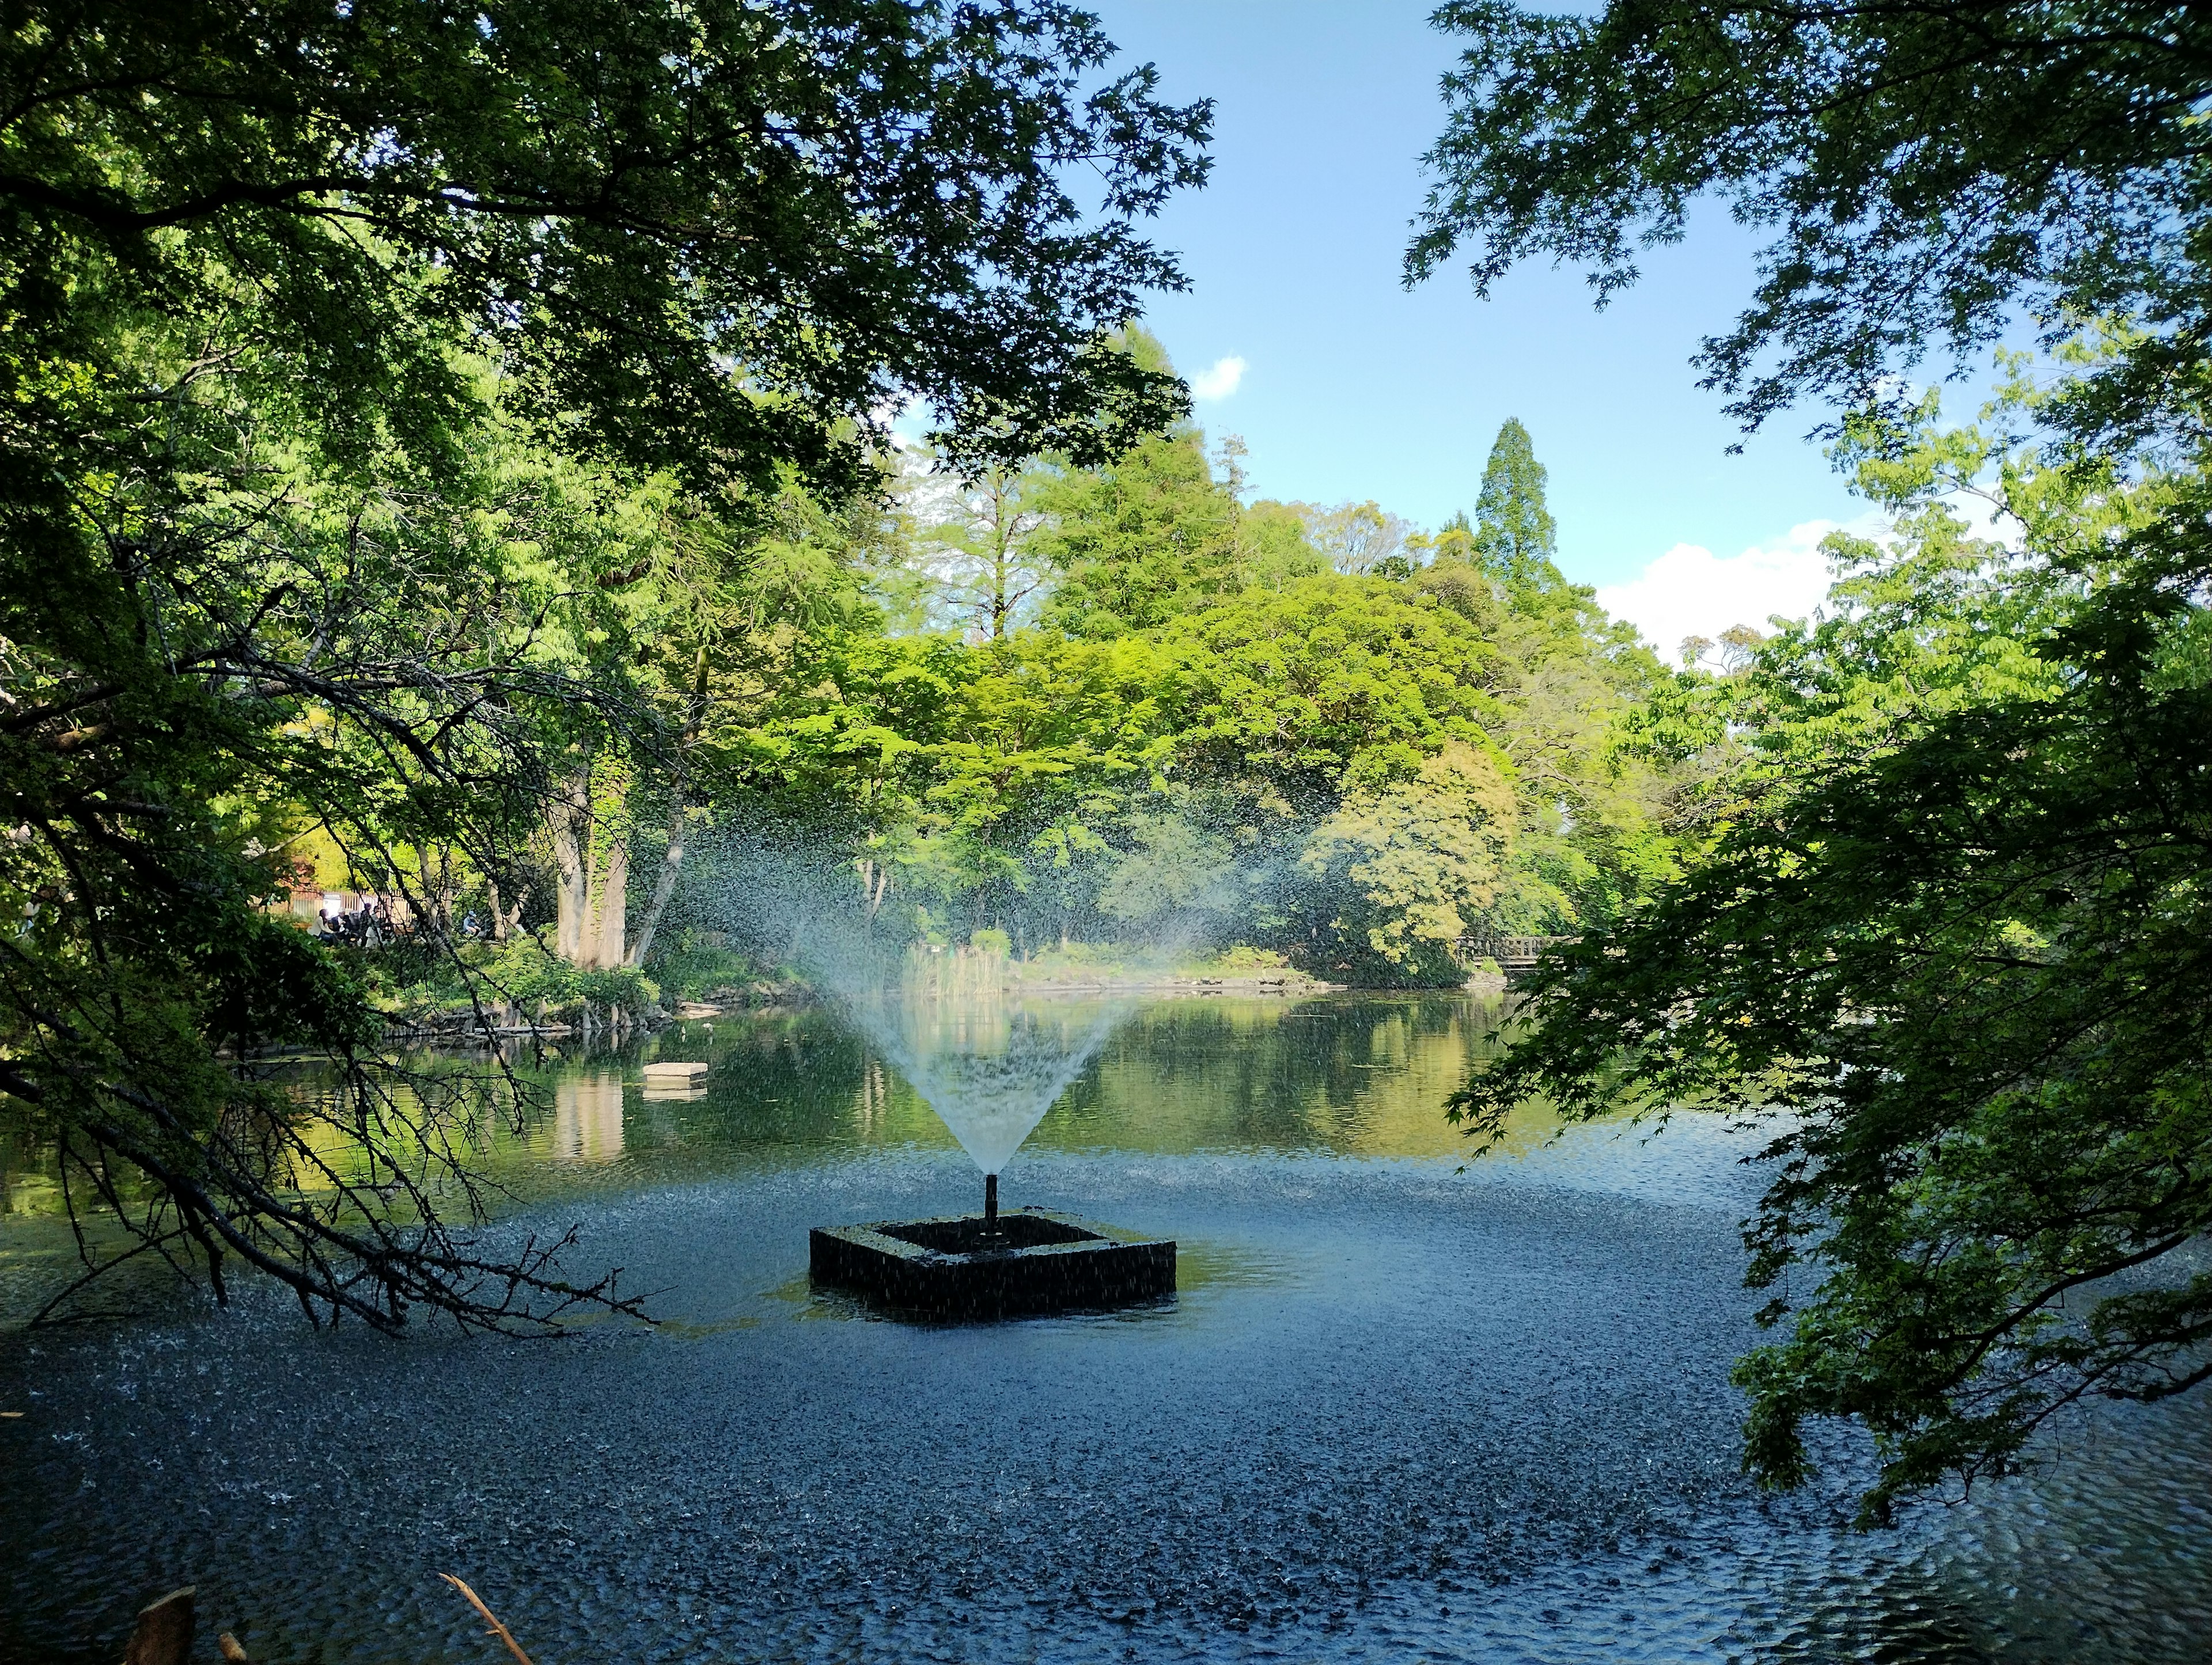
(1514, 534)
(1170, 871)
(1451, 542)
(1175, 779)
(1411, 866)
(1272, 548)
(735, 625)
(1138, 542)
(974, 544)
(289, 289)
(2044, 158)
(1044, 734)
(1945, 922)
(1591, 813)
(1292, 697)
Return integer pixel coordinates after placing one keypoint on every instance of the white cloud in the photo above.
(1690, 592)
(1220, 381)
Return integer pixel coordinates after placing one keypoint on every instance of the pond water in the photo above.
(1397, 1411)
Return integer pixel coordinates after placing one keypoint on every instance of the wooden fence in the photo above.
(1511, 953)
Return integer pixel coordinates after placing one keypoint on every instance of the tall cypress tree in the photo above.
(1515, 536)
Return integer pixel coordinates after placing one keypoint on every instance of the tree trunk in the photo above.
(664, 887)
(570, 815)
(875, 884)
(437, 888)
(592, 857)
(679, 799)
(610, 904)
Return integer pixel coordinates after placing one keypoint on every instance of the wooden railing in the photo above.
(1511, 953)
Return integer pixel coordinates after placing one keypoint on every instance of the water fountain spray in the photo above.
(988, 1059)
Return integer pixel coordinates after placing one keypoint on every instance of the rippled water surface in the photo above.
(1397, 1411)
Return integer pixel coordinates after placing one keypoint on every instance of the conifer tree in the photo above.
(1515, 536)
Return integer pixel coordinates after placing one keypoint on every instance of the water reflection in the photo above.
(1362, 1077)
(1365, 1078)
(588, 1116)
(1347, 1076)
(1394, 1413)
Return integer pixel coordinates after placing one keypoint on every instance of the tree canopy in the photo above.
(410, 410)
(715, 239)
(1926, 170)
(1935, 926)
(1514, 534)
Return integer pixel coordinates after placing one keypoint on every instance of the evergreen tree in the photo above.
(1137, 544)
(1515, 535)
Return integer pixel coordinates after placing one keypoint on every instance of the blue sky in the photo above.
(1353, 388)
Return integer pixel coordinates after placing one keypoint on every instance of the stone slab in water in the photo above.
(950, 1267)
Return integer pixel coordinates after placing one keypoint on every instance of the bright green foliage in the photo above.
(419, 420)
(1296, 696)
(532, 978)
(595, 186)
(1272, 547)
(1567, 681)
(1452, 543)
(1359, 538)
(983, 776)
(1413, 865)
(1040, 739)
(1256, 694)
(1950, 922)
(1141, 541)
(1173, 782)
(974, 550)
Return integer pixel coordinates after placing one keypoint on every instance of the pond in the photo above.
(1400, 1408)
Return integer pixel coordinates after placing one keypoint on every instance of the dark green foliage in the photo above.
(1926, 169)
(1971, 966)
(1948, 931)
(850, 203)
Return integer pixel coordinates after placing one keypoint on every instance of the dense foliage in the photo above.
(407, 414)
(1211, 737)
(1944, 939)
(447, 476)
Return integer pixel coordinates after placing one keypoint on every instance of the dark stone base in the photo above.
(951, 1268)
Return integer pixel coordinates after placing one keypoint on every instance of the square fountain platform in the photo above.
(949, 1268)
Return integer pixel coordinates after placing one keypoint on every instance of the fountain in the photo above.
(990, 1063)
(990, 1066)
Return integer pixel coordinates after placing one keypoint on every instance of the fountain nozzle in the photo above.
(991, 1205)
